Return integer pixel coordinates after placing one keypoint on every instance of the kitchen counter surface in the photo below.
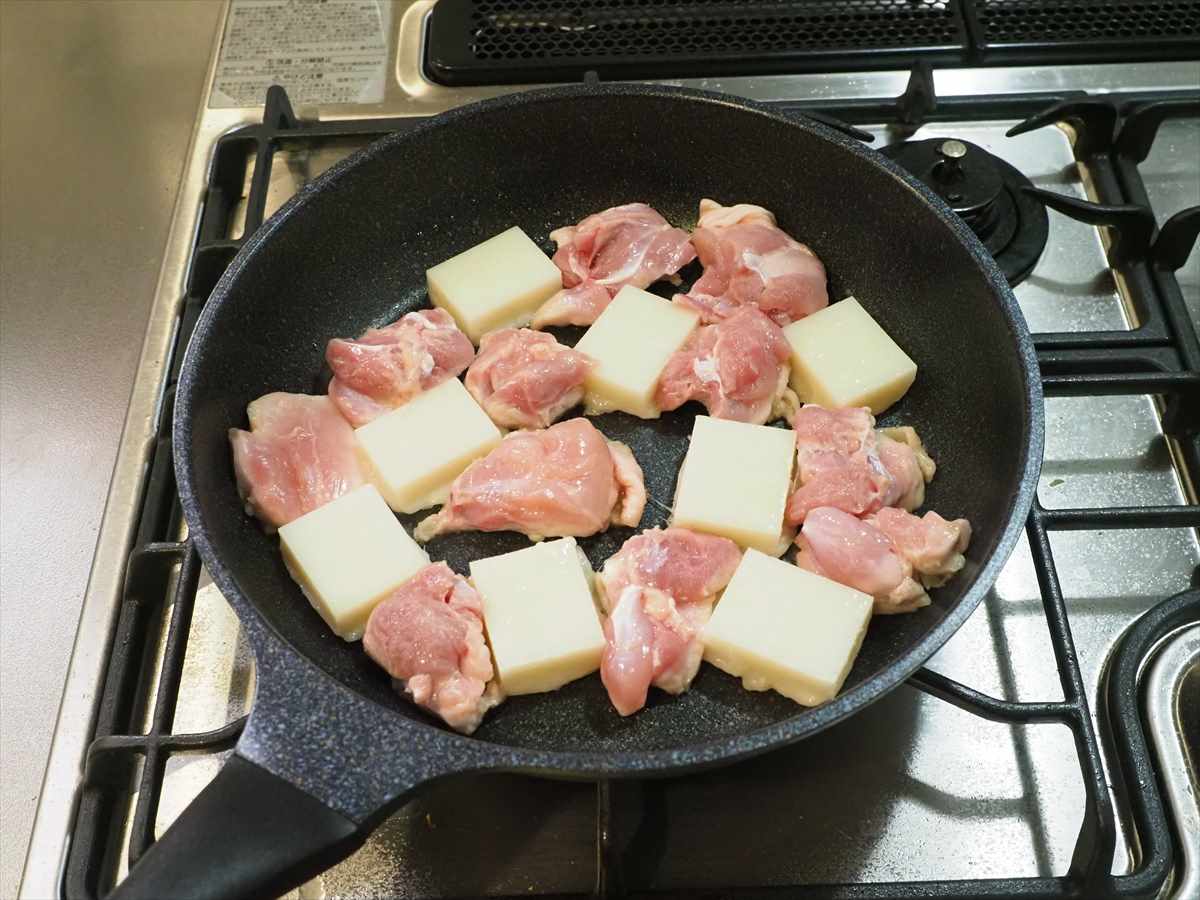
(97, 102)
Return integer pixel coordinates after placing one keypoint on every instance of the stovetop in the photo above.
(1016, 789)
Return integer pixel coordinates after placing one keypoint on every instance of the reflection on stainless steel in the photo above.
(891, 795)
(536, 836)
(1172, 692)
(1125, 460)
(292, 168)
(1169, 174)
(899, 793)
(296, 167)
(218, 682)
(218, 671)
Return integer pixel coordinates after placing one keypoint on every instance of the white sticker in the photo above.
(321, 51)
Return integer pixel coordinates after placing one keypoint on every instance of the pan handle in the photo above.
(248, 834)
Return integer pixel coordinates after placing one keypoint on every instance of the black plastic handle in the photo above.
(248, 834)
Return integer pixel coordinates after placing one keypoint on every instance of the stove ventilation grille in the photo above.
(526, 41)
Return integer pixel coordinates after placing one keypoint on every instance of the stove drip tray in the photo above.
(986, 192)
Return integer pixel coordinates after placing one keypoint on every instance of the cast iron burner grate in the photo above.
(987, 192)
(1160, 357)
(527, 41)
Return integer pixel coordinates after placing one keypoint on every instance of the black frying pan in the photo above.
(330, 748)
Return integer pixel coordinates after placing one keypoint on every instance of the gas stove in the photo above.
(1043, 751)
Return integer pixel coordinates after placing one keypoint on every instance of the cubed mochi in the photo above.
(540, 616)
(414, 452)
(842, 357)
(734, 482)
(347, 556)
(782, 628)
(631, 342)
(496, 284)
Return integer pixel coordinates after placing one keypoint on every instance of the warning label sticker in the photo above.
(321, 51)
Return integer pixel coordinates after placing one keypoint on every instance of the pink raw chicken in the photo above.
(298, 455)
(932, 545)
(837, 462)
(737, 368)
(658, 590)
(911, 468)
(630, 244)
(749, 260)
(844, 462)
(526, 379)
(852, 552)
(565, 480)
(892, 555)
(387, 367)
(428, 634)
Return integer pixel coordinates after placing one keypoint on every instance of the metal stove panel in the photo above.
(893, 794)
(1105, 451)
(1169, 174)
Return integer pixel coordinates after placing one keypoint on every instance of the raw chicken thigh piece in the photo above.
(630, 244)
(749, 260)
(845, 549)
(933, 546)
(837, 462)
(387, 367)
(526, 379)
(428, 634)
(565, 480)
(844, 462)
(650, 640)
(737, 368)
(658, 590)
(903, 455)
(689, 565)
(579, 305)
(298, 455)
(631, 486)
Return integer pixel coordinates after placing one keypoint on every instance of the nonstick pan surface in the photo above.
(349, 253)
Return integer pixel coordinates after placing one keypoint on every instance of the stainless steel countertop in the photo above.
(97, 104)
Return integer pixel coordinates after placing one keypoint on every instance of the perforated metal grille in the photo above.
(1018, 21)
(481, 41)
(521, 41)
(640, 28)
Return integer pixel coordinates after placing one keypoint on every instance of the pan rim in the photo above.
(670, 760)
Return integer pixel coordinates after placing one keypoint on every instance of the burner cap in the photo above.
(986, 192)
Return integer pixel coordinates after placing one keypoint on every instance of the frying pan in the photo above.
(330, 748)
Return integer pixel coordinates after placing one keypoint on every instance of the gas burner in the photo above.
(986, 192)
